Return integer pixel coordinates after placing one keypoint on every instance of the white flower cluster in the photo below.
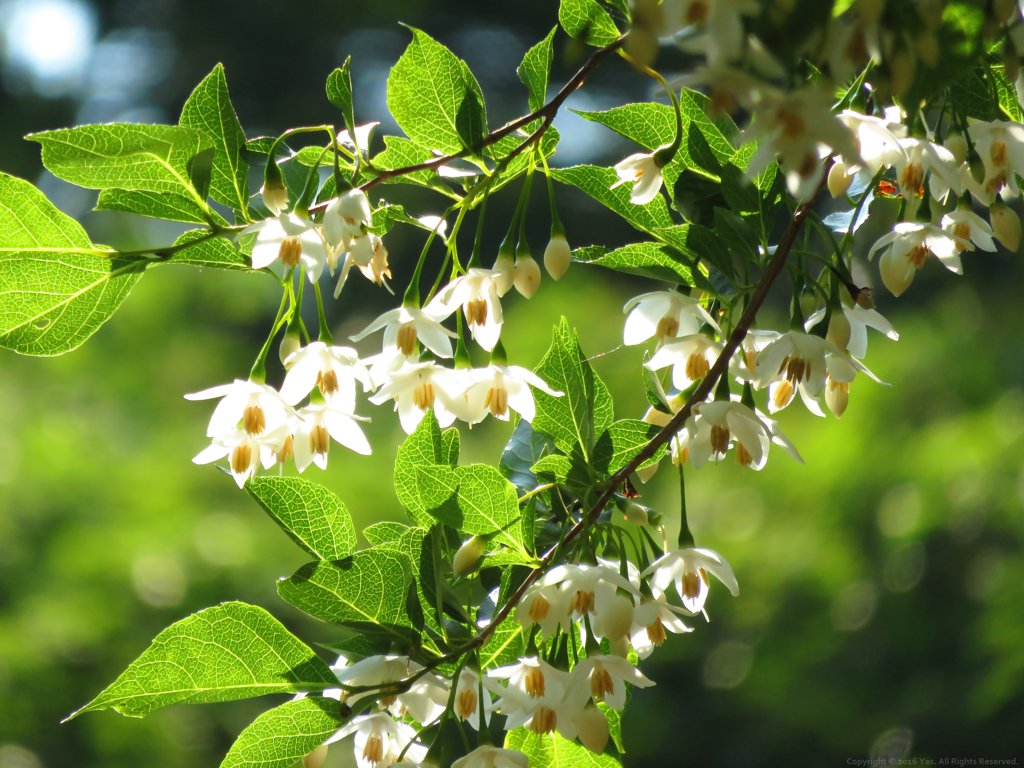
(256, 425)
(629, 613)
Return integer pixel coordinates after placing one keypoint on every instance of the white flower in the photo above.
(1001, 147)
(715, 425)
(546, 606)
(651, 618)
(320, 423)
(801, 129)
(717, 26)
(688, 569)
(878, 141)
(404, 325)
(906, 248)
(643, 172)
(469, 695)
(793, 362)
(664, 315)
(425, 700)
(245, 451)
(291, 240)
(603, 678)
(367, 252)
(970, 230)
(417, 387)
(841, 370)
(333, 370)
(534, 696)
(361, 138)
(346, 218)
(498, 388)
(379, 740)
(922, 158)
(492, 757)
(591, 590)
(691, 358)
(859, 320)
(477, 293)
(248, 405)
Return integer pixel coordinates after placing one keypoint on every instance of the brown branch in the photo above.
(719, 369)
(546, 112)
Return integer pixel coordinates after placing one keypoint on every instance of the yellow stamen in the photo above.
(743, 457)
(290, 251)
(668, 327)
(423, 395)
(497, 401)
(254, 420)
(783, 393)
(476, 312)
(543, 720)
(582, 602)
(465, 703)
(373, 752)
(406, 338)
(538, 610)
(697, 366)
(327, 381)
(241, 458)
(691, 584)
(656, 632)
(319, 439)
(600, 683)
(533, 683)
(286, 450)
(719, 438)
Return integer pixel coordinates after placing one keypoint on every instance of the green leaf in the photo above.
(597, 182)
(434, 97)
(284, 735)
(587, 21)
(339, 93)
(209, 110)
(554, 468)
(1007, 94)
(206, 251)
(151, 158)
(385, 534)
(621, 442)
(652, 260)
(427, 446)
(521, 452)
(400, 152)
(367, 590)
(535, 71)
(474, 499)
(555, 750)
(311, 515)
(156, 205)
(56, 287)
(585, 409)
(200, 172)
(232, 651)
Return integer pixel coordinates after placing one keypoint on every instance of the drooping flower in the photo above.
(691, 358)
(663, 315)
(333, 370)
(418, 387)
(347, 218)
(715, 26)
(317, 426)
(970, 230)
(1000, 144)
(497, 389)
(404, 325)
(688, 570)
(643, 172)
(651, 619)
(290, 239)
(380, 739)
(245, 451)
(601, 678)
(477, 293)
(534, 696)
(715, 426)
(905, 249)
(793, 362)
(546, 606)
(470, 697)
(859, 320)
(249, 405)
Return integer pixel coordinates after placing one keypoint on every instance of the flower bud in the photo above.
(505, 266)
(896, 275)
(837, 395)
(838, 179)
(808, 301)
(556, 257)
(957, 145)
(838, 329)
(636, 513)
(1005, 226)
(275, 196)
(316, 758)
(290, 344)
(468, 557)
(616, 617)
(526, 276)
(593, 729)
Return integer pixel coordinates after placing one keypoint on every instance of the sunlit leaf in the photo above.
(311, 515)
(284, 735)
(231, 651)
(56, 287)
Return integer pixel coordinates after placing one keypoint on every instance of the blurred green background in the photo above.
(882, 604)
